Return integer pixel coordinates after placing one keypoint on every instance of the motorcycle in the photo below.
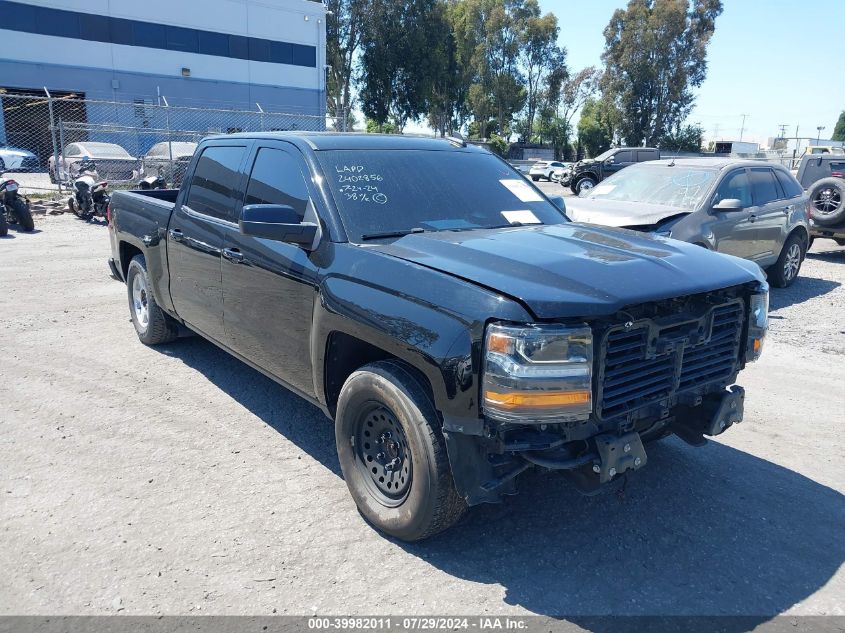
(153, 182)
(15, 208)
(90, 195)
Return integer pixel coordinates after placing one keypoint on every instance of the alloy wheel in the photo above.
(792, 263)
(827, 200)
(140, 305)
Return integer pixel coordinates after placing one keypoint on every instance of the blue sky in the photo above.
(765, 60)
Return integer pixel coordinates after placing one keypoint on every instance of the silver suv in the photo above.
(753, 210)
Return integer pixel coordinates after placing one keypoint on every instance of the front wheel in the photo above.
(21, 211)
(785, 270)
(151, 323)
(393, 454)
(584, 184)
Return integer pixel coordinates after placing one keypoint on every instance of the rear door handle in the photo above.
(176, 235)
(233, 255)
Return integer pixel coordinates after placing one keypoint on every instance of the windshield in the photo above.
(384, 191)
(678, 186)
(604, 155)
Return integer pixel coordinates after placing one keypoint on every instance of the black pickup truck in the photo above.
(453, 322)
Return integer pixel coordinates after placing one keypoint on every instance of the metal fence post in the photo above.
(261, 110)
(61, 153)
(53, 137)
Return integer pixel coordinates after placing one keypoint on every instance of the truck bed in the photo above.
(142, 212)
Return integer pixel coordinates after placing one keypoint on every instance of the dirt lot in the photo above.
(177, 480)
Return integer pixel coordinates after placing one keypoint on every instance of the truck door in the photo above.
(195, 236)
(734, 232)
(269, 287)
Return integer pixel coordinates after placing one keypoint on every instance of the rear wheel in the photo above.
(4, 227)
(151, 323)
(21, 211)
(535, 178)
(393, 454)
(785, 270)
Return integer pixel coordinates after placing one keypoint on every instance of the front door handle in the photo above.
(176, 235)
(233, 255)
(752, 218)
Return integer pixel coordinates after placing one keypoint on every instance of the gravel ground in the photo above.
(177, 480)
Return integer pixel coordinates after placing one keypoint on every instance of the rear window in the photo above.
(380, 191)
(789, 185)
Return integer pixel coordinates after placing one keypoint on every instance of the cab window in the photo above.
(214, 182)
(277, 179)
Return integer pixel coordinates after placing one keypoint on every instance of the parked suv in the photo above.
(589, 172)
(745, 208)
(823, 176)
(544, 169)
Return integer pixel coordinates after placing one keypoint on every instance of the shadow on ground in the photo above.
(709, 531)
(802, 289)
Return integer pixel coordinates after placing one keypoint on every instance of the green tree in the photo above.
(499, 145)
(655, 54)
(397, 74)
(594, 129)
(544, 62)
(686, 138)
(839, 130)
(343, 37)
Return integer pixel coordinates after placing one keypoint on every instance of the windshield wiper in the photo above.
(376, 236)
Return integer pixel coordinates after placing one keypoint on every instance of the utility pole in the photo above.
(818, 138)
(742, 129)
(782, 127)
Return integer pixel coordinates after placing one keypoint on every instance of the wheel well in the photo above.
(127, 252)
(805, 235)
(346, 354)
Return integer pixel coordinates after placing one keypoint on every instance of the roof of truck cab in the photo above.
(355, 140)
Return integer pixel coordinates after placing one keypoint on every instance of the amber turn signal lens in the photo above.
(500, 343)
(758, 345)
(519, 399)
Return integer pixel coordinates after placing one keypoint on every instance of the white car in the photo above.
(544, 169)
(15, 159)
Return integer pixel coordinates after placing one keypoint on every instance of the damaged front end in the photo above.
(584, 398)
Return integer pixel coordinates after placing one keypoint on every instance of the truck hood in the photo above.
(616, 213)
(573, 270)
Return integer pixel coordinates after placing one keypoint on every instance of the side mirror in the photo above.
(276, 222)
(729, 204)
(558, 202)
(610, 161)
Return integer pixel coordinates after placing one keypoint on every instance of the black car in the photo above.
(459, 331)
(587, 173)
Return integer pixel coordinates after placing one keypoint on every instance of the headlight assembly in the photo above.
(758, 323)
(537, 372)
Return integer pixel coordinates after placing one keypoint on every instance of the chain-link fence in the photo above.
(45, 139)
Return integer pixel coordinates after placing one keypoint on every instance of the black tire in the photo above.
(4, 227)
(378, 402)
(827, 201)
(23, 214)
(582, 184)
(535, 178)
(151, 323)
(786, 269)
